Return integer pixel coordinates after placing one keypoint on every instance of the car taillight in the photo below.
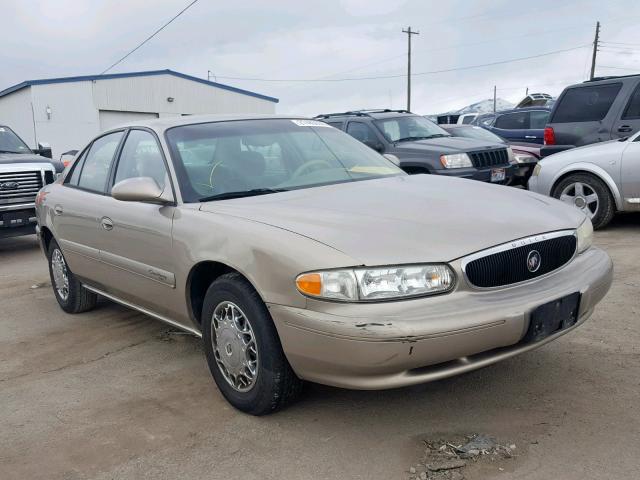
(549, 136)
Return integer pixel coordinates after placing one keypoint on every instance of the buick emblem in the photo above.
(533, 261)
(9, 186)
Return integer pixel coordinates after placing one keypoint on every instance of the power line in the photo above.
(152, 35)
(619, 68)
(625, 44)
(432, 72)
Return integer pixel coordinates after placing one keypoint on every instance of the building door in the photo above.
(113, 118)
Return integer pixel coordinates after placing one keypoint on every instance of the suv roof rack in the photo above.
(610, 77)
(360, 113)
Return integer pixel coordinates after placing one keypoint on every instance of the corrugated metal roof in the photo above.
(109, 76)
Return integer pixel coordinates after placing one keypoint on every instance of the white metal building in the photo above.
(67, 112)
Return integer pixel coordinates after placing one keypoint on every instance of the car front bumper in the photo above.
(16, 220)
(394, 344)
(482, 175)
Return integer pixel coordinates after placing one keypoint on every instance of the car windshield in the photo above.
(254, 157)
(11, 143)
(409, 127)
(476, 132)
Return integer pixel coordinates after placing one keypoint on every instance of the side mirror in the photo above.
(392, 158)
(44, 149)
(140, 189)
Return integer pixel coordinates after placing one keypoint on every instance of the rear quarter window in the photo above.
(632, 110)
(513, 121)
(586, 104)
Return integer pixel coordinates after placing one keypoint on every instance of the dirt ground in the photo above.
(111, 394)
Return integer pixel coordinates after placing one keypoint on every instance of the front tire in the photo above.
(243, 349)
(69, 292)
(589, 194)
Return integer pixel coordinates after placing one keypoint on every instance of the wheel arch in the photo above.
(200, 277)
(589, 169)
(47, 235)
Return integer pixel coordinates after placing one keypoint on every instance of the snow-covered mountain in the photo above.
(484, 106)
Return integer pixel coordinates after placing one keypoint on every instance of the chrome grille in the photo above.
(20, 187)
(508, 264)
(490, 158)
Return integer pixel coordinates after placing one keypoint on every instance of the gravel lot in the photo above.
(114, 394)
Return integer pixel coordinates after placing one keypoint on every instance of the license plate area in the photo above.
(498, 174)
(553, 317)
(16, 219)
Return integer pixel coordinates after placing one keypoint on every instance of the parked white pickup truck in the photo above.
(23, 172)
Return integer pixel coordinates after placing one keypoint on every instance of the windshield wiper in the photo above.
(408, 139)
(438, 135)
(243, 193)
(8, 151)
(425, 137)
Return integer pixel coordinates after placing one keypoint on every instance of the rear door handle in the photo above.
(625, 129)
(57, 210)
(106, 223)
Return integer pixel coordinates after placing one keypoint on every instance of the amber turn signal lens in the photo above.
(309, 283)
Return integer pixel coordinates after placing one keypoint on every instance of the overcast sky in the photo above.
(328, 39)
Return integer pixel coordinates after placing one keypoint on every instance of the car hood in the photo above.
(598, 153)
(406, 219)
(19, 158)
(445, 145)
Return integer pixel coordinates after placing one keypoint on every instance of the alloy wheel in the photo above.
(582, 196)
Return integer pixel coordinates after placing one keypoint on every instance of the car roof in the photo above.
(374, 114)
(169, 122)
(524, 109)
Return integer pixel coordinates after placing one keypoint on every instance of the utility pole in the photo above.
(409, 32)
(494, 98)
(595, 50)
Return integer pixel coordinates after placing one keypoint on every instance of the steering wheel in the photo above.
(309, 165)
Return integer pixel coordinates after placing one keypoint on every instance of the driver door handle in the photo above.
(106, 223)
(57, 210)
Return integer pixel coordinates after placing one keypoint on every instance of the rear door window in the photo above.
(76, 168)
(513, 121)
(538, 119)
(338, 125)
(95, 170)
(586, 104)
(632, 110)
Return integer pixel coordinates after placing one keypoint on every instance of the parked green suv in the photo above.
(418, 145)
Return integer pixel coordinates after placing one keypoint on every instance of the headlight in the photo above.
(370, 284)
(456, 160)
(585, 235)
(536, 170)
(522, 157)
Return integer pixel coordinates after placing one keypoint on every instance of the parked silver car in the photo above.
(599, 179)
(298, 253)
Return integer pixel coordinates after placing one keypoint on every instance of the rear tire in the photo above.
(69, 292)
(243, 349)
(589, 194)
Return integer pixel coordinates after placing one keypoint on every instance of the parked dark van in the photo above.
(598, 110)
